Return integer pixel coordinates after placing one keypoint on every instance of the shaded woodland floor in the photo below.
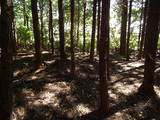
(51, 93)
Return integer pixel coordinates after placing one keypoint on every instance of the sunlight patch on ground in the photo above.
(51, 92)
(26, 56)
(132, 65)
(59, 87)
(125, 88)
(46, 98)
(44, 52)
(136, 64)
(17, 113)
(34, 77)
(82, 109)
(157, 89)
(50, 61)
(16, 73)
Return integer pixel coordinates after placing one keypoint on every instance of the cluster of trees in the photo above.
(14, 35)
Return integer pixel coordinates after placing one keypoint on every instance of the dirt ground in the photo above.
(52, 93)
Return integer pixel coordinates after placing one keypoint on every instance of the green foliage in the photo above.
(24, 35)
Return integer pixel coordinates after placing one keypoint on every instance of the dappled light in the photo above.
(79, 60)
(77, 97)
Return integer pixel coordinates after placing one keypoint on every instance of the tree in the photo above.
(51, 26)
(36, 31)
(61, 29)
(98, 23)
(84, 26)
(41, 10)
(78, 22)
(72, 37)
(140, 26)
(123, 27)
(151, 39)
(93, 31)
(143, 29)
(6, 71)
(104, 56)
(128, 33)
(14, 44)
(24, 12)
(0, 24)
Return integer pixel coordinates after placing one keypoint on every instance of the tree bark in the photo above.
(151, 47)
(143, 30)
(72, 38)
(78, 22)
(41, 9)
(6, 71)
(51, 26)
(24, 12)
(128, 33)
(36, 31)
(123, 27)
(140, 27)
(14, 43)
(104, 56)
(84, 26)
(0, 26)
(98, 24)
(93, 31)
(61, 29)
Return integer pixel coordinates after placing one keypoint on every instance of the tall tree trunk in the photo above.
(36, 31)
(98, 24)
(104, 56)
(84, 26)
(78, 22)
(143, 30)
(123, 27)
(151, 46)
(140, 26)
(24, 12)
(0, 27)
(14, 35)
(93, 31)
(6, 71)
(41, 5)
(72, 37)
(128, 33)
(24, 18)
(61, 29)
(51, 26)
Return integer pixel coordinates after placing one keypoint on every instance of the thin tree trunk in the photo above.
(0, 27)
(41, 4)
(24, 12)
(61, 29)
(84, 26)
(140, 26)
(128, 34)
(78, 22)
(143, 30)
(98, 24)
(51, 26)
(14, 35)
(104, 56)
(6, 71)
(72, 38)
(93, 31)
(151, 47)
(123, 27)
(36, 31)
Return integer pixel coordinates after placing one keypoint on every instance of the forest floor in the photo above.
(51, 93)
